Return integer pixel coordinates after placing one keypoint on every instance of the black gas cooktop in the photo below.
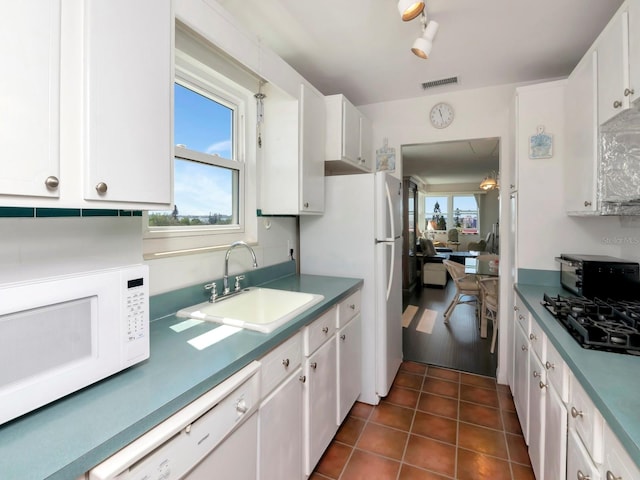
(612, 325)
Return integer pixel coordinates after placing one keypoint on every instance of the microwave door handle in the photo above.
(564, 261)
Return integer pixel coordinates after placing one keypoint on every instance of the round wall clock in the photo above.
(441, 115)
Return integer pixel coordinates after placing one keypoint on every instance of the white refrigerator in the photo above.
(359, 236)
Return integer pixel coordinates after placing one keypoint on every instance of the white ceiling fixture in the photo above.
(410, 9)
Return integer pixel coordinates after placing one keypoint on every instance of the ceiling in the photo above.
(361, 48)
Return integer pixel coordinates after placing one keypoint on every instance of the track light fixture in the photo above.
(410, 9)
(422, 45)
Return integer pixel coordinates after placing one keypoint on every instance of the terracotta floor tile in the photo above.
(475, 466)
(413, 367)
(482, 440)
(367, 466)
(440, 387)
(433, 426)
(484, 396)
(522, 472)
(478, 380)
(382, 440)
(317, 476)
(511, 422)
(444, 406)
(431, 455)
(443, 373)
(518, 451)
(407, 472)
(503, 388)
(408, 380)
(506, 401)
(333, 460)
(480, 415)
(361, 410)
(404, 397)
(392, 416)
(350, 430)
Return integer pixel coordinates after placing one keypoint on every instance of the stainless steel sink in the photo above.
(254, 308)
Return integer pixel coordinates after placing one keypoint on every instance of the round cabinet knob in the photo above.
(628, 91)
(313, 365)
(549, 365)
(611, 476)
(285, 362)
(302, 378)
(101, 188)
(542, 385)
(617, 104)
(535, 374)
(532, 336)
(241, 406)
(515, 307)
(587, 203)
(325, 330)
(343, 336)
(52, 182)
(521, 317)
(575, 413)
(306, 204)
(352, 306)
(582, 476)
(524, 348)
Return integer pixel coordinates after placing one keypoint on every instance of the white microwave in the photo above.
(60, 334)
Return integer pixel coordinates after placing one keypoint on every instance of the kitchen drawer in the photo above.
(280, 362)
(557, 372)
(538, 340)
(617, 463)
(319, 331)
(579, 464)
(586, 420)
(349, 308)
(522, 315)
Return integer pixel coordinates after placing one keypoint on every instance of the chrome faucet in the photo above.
(225, 279)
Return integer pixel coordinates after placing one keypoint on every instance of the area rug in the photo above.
(408, 314)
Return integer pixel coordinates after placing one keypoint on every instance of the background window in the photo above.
(465, 213)
(436, 212)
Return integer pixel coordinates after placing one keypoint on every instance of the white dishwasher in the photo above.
(215, 436)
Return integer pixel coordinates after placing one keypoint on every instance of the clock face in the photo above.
(441, 115)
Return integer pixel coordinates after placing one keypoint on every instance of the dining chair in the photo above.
(466, 287)
(489, 305)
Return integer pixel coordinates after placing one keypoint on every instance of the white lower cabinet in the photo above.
(280, 431)
(536, 420)
(579, 464)
(617, 464)
(555, 447)
(319, 403)
(521, 386)
(349, 365)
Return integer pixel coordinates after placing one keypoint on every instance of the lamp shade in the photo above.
(489, 183)
(422, 46)
(410, 9)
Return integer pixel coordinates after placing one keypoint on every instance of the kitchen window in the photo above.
(214, 174)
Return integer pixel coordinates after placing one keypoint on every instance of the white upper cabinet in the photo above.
(86, 106)
(613, 68)
(30, 99)
(581, 127)
(312, 139)
(349, 138)
(127, 115)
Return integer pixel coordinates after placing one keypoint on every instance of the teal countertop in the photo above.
(70, 436)
(609, 378)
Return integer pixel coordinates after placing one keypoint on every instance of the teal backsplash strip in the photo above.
(169, 303)
(529, 276)
(28, 212)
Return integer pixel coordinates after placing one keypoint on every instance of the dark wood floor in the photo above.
(456, 345)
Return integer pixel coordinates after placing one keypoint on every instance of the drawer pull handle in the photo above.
(302, 378)
(285, 362)
(550, 366)
(343, 336)
(611, 476)
(575, 413)
(325, 330)
(313, 365)
(532, 336)
(582, 476)
(542, 385)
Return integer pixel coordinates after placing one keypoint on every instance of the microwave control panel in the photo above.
(135, 298)
(136, 308)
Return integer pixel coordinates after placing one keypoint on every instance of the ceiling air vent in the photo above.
(439, 83)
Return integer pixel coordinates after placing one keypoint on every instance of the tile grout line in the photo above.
(353, 448)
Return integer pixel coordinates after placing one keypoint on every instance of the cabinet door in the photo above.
(579, 464)
(366, 158)
(555, 447)
(349, 366)
(128, 109)
(30, 99)
(617, 463)
(350, 132)
(613, 68)
(312, 142)
(319, 403)
(537, 432)
(634, 50)
(581, 127)
(280, 431)
(521, 377)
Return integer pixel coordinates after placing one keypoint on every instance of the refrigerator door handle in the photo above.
(391, 268)
(390, 210)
